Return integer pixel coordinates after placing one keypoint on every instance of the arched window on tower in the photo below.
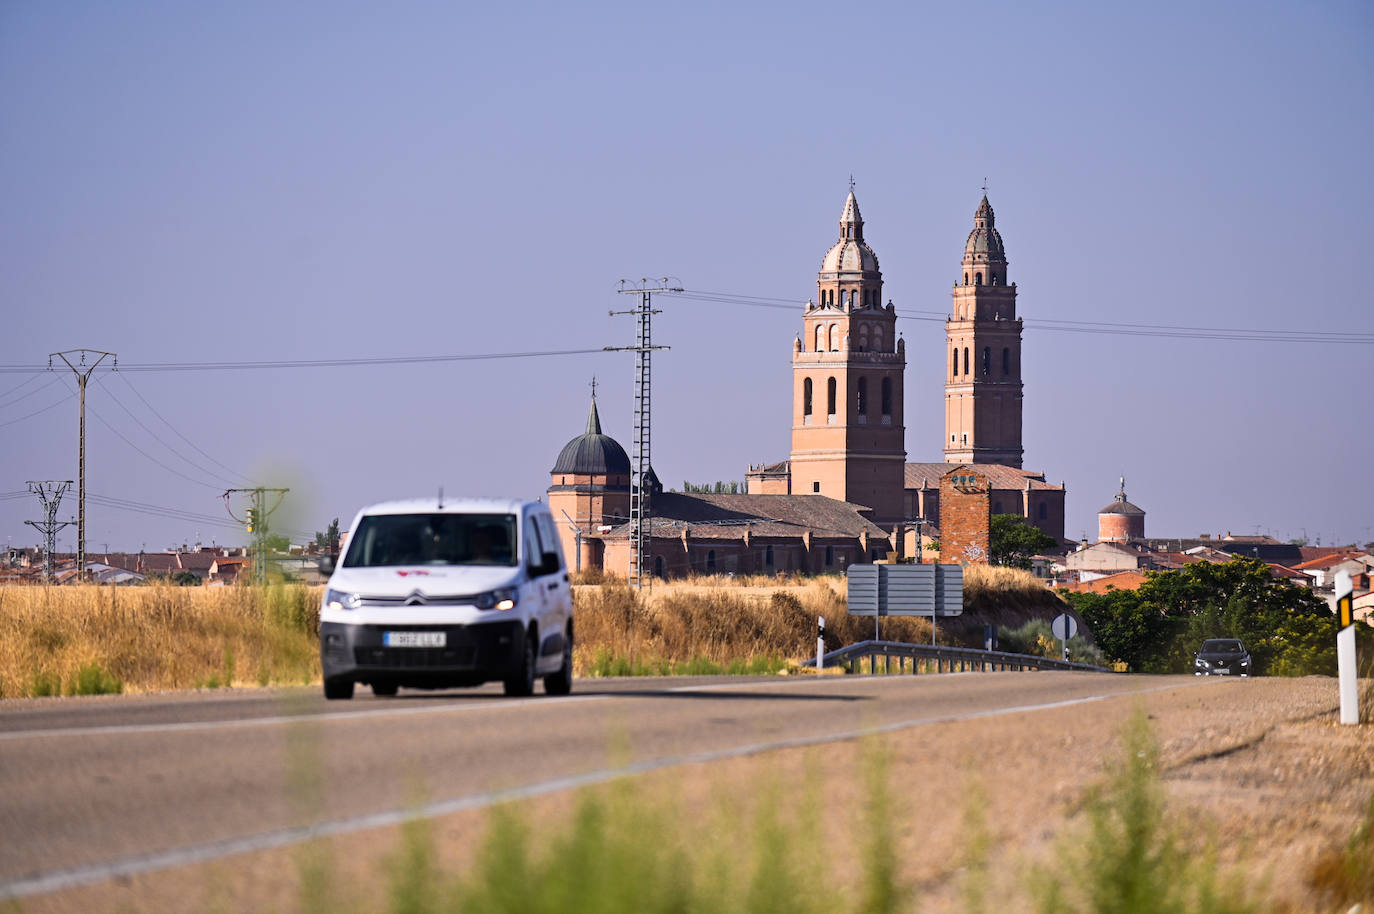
(1006, 361)
(834, 337)
(954, 363)
(965, 360)
(877, 339)
(830, 397)
(987, 360)
(965, 279)
(863, 337)
(887, 396)
(861, 400)
(806, 397)
(977, 279)
(820, 337)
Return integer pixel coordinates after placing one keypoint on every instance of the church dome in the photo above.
(851, 254)
(1121, 506)
(984, 240)
(850, 257)
(592, 453)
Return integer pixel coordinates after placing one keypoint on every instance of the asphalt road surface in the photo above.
(98, 788)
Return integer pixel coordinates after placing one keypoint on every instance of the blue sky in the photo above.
(255, 181)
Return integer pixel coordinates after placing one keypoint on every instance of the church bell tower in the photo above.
(983, 387)
(847, 369)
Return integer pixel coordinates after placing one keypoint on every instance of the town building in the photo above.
(846, 492)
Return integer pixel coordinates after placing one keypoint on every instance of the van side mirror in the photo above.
(327, 563)
(550, 565)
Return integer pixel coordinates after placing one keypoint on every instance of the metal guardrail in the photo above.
(945, 659)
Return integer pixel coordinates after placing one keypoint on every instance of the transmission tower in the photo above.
(83, 373)
(640, 466)
(256, 522)
(49, 492)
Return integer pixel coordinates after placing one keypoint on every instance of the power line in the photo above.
(22, 397)
(70, 394)
(36, 375)
(1165, 331)
(333, 363)
(120, 435)
(157, 438)
(129, 384)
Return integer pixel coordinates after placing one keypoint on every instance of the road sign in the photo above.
(1064, 627)
(905, 590)
(1345, 612)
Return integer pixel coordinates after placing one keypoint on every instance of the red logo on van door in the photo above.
(407, 573)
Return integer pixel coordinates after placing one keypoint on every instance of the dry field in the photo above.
(93, 639)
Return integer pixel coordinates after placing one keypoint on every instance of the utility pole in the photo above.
(49, 492)
(640, 510)
(256, 522)
(83, 373)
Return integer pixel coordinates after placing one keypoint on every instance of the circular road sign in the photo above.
(1064, 627)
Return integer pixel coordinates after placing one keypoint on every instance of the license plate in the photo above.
(1224, 671)
(414, 639)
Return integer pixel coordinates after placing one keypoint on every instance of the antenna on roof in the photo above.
(441, 496)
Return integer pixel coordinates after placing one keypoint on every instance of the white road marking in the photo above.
(59, 880)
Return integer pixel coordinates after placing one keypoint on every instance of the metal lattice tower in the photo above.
(640, 464)
(83, 374)
(49, 492)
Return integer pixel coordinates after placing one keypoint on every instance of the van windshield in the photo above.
(432, 539)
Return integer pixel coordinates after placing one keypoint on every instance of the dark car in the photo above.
(1222, 657)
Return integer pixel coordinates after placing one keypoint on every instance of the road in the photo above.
(116, 786)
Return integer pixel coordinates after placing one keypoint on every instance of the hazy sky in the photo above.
(193, 183)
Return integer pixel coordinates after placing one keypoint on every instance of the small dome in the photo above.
(851, 254)
(985, 239)
(592, 453)
(1121, 505)
(850, 257)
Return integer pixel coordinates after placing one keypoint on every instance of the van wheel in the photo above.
(522, 683)
(335, 689)
(384, 689)
(560, 683)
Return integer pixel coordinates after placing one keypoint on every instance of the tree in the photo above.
(1012, 541)
(1157, 628)
(328, 541)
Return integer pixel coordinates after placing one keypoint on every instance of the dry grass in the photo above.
(725, 621)
(156, 637)
(65, 640)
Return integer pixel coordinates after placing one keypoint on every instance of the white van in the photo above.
(437, 593)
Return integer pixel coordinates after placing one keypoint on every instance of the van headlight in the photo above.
(502, 598)
(339, 599)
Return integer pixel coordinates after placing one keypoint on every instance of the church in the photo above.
(846, 492)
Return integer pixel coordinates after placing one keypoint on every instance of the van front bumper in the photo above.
(469, 654)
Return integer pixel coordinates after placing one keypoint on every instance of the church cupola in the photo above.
(985, 260)
(849, 279)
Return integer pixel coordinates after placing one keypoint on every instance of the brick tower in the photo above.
(847, 369)
(983, 366)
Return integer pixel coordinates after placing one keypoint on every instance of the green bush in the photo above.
(1133, 859)
(92, 679)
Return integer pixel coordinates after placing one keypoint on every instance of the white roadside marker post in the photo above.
(1345, 649)
(820, 644)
